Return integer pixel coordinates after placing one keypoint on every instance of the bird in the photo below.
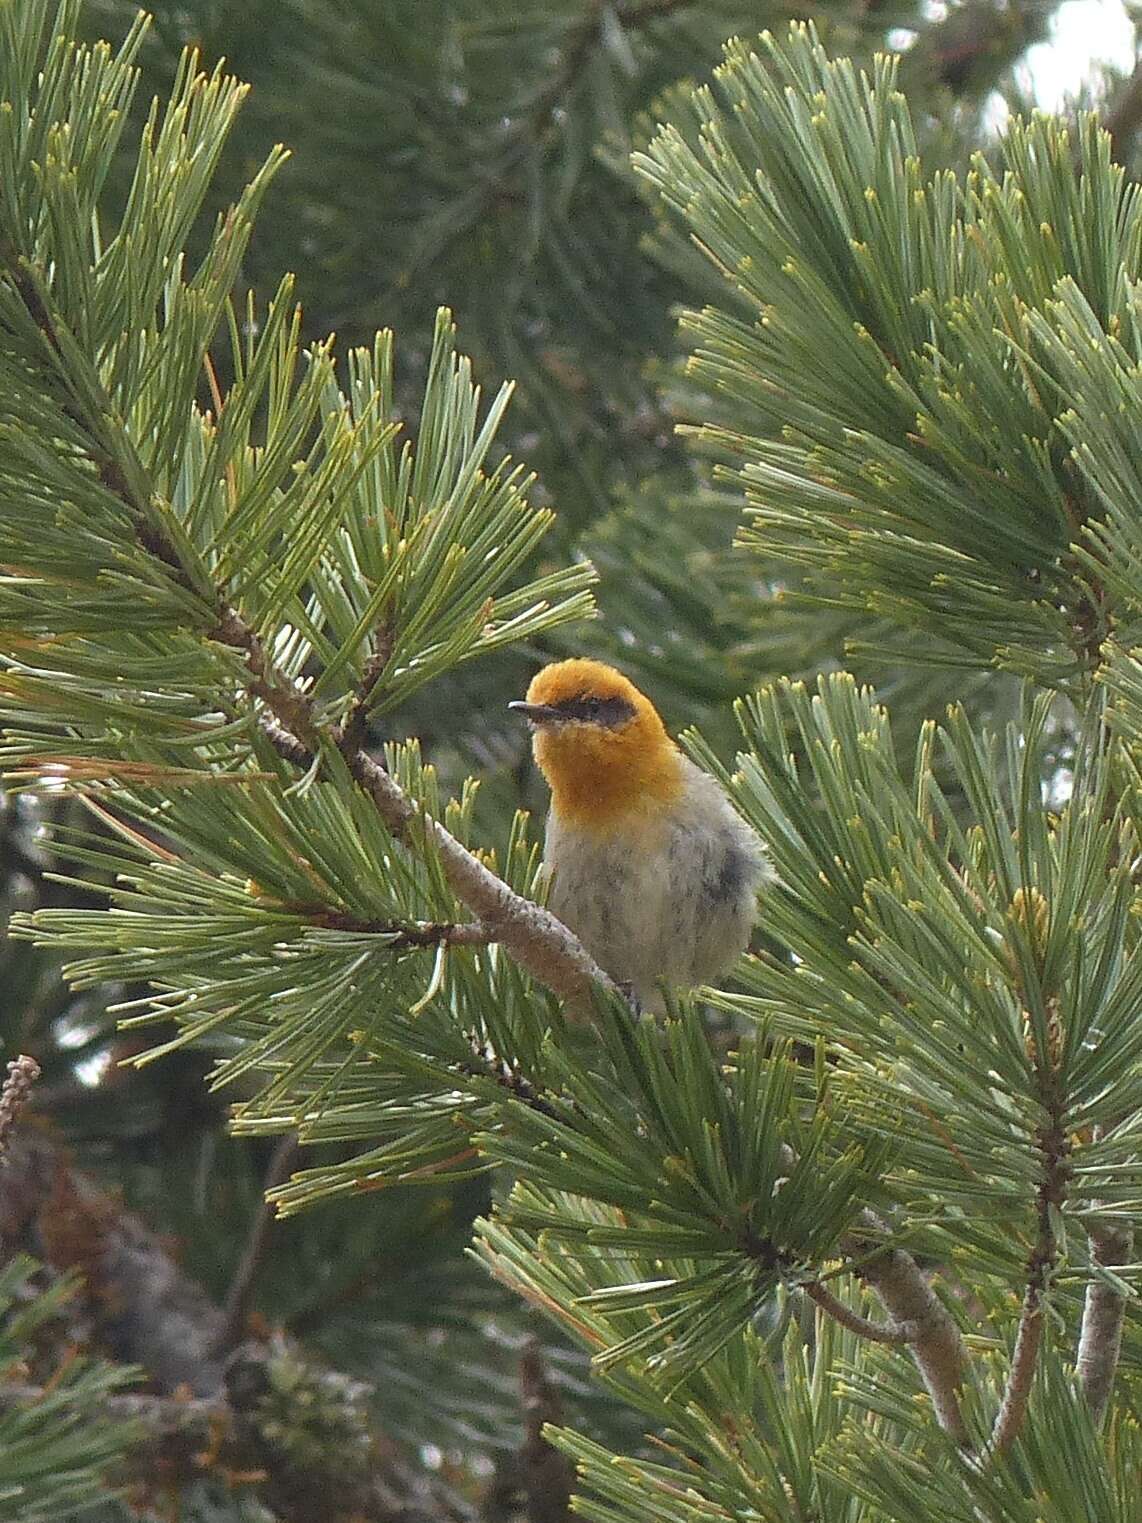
(646, 859)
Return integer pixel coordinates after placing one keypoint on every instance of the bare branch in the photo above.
(1104, 1310)
(534, 937)
(289, 704)
(933, 1340)
(1104, 1307)
(1054, 1148)
(1017, 1392)
(936, 1344)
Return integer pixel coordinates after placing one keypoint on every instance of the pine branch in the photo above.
(933, 937)
(905, 932)
(864, 1327)
(20, 273)
(933, 1339)
(251, 1417)
(285, 701)
(537, 940)
(1104, 1307)
(936, 1344)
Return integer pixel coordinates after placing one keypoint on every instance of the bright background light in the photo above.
(1085, 36)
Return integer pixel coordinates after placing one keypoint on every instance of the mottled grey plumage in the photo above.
(671, 895)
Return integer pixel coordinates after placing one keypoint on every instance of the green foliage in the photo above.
(292, 501)
(223, 561)
(790, 1419)
(727, 1165)
(331, 544)
(472, 153)
(931, 951)
(55, 1448)
(311, 960)
(900, 446)
(1061, 1467)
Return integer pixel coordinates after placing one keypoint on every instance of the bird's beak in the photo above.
(535, 713)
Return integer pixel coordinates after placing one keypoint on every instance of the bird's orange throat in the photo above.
(600, 778)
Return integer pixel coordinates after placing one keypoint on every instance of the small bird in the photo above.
(648, 862)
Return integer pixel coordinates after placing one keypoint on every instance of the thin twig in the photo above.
(486, 1065)
(864, 1327)
(240, 1294)
(1017, 1392)
(1054, 1150)
(22, 1074)
(435, 933)
(357, 720)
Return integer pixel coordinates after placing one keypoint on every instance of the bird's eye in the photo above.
(592, 705)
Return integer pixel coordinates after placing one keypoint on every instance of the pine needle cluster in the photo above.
(866, 1250)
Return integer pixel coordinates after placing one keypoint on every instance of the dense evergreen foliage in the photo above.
(852, 1237)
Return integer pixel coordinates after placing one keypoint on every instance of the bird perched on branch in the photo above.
(649, 864)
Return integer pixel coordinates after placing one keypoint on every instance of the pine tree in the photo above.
(851, 1237)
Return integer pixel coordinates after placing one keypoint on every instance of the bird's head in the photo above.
(599, 742)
